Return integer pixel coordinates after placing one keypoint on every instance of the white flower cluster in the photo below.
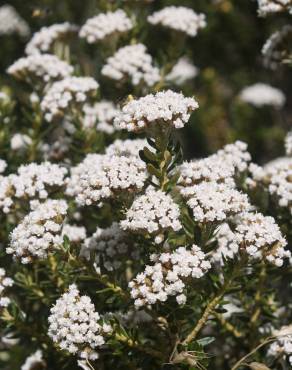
(261, 94)
(45, 67)
(39, 232)
(104, 25)
(75, 326)
(34, 361)
(236, 155)
(273, 6)
(127, 148)
(179, 18)
(213, 202)
(5, 282)
(277, 178)
(6, 194)
(155, 213)
(101, 177)
(67, 93)
(20, 141)
(288, 143)
(163, 108)
(166, 277)
(101, 116)
(3, 165)
(274, 48)
(227, 248)
(282, 347)
(134, 63)
(260, 237)
(111, 246)
(76, 234)
(182, 71)
(43, 40)
(11, 22)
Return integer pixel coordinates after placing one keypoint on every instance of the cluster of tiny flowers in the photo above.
(127, 148)
(266, 7)
(179, 18)
(210, 201)
(134, 63)
(166, 277)
(76, 234)
(39, 232)
(154, 213)
(236, 155)
(75, 326)
(163, 108)
(288, 143)
(274, 49)
(45, 67)
(66, 94)
(227, 248)
(182, 72)
(11, 22)
(104, 25)
(276, 177)
(6, 194)
(101, 116)
(261, 94)
(20, 141)
(34, 361)
(282, 346)
(101, 177)
(111, 246)
(260, 237)
(3, 165)
(43, 40)
(5, 282)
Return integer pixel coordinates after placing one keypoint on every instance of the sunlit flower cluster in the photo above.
(101, 177)
(261, 94)
(166, 276)
(273, 6)
(34, 361)
(182, 71)
(282, 346)
(288, 143)
(67, 94)
(11, 22)
(39, 232)
(104, 25)
(75, 234)
(101, 116)
(5, 283)
(45, 67)
(166, 108)
(180, 19)
(75, 326)
(127, 148)
(226, 248)
(43, 40)
(132, 63)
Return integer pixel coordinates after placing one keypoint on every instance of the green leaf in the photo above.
(153, 171)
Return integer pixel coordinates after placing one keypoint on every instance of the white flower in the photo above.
(11, 22)
(213, 202)
(167, 276)
(39, 232)
(274, 49)
(282, 347)
(288, 143)
(68, 93)
(5, 283)
(261, 238)
(273, 6)
(163, 108)
(101, 116)
(43, 40)
(179, 18)
(101, 177)
(154, 213)
(112, 246)
(104, 25)
(20, 141)
(127, 148)
(34, 361)
(134, 63)
(236, 155)
(182, 71)
(44, 67)
(227, 248)
(6, 194)
(76, 234)
(3, 165)
(261, 94)
(75, 326)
